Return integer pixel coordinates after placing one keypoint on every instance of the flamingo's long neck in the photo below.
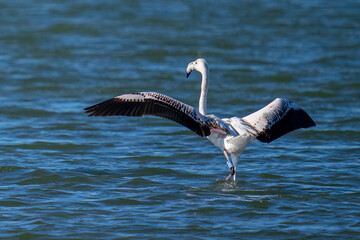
(204, 90)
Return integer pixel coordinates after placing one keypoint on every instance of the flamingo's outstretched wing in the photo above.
(276, 119)
(151, 103)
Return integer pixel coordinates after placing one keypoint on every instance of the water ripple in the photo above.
(65, 175)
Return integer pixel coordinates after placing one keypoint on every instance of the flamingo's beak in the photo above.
(189, 69)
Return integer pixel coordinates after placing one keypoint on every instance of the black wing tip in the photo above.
(307, 121)
(293, 120)
(90, 110)
(310, 124)
(98, 109)
(93, 110)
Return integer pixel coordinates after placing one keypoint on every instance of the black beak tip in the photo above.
(187, 75)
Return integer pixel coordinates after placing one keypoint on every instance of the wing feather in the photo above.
(276, 119)
(151, 103)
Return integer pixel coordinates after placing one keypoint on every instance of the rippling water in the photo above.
(64, 175)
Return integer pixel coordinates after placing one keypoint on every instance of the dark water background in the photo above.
(66, 176)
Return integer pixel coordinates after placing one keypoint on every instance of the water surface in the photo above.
(66, 176)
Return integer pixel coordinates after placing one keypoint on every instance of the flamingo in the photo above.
(230, 135)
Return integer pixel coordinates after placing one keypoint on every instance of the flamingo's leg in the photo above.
(230, 165)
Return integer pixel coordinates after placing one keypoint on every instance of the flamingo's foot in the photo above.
(232, 174)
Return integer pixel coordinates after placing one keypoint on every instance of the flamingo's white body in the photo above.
(231, 135)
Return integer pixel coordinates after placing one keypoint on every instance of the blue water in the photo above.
(66, 176)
